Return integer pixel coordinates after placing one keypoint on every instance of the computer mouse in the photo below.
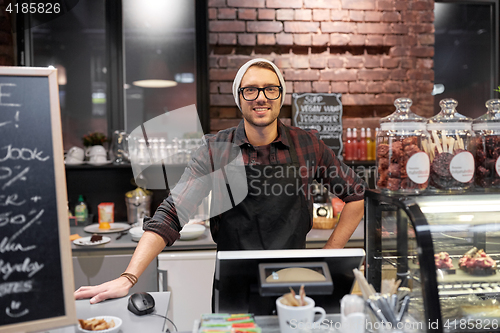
(141, 303)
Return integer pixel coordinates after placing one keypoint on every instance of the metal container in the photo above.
(138, 204)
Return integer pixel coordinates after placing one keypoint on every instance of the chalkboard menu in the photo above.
(322, 112)
(36, 276)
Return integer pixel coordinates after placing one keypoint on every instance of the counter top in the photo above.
(316, 238)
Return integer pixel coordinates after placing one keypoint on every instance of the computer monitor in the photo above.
(240, 285)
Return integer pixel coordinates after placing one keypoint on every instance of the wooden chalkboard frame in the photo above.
(61, 197)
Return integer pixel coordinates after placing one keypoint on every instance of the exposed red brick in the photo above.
(333, 4)
(214, 87)
(385, 5)
(392, 86)
(397, 51)
(284, 39)
(408, 62)
(226, 87)
(425, 86)
(283, 62)
(372, 61)
(221, 99)
(374, 87)
(354, 62)
(264, 26)
(342, 27)
(302, 39)
(426, 39)
(247, 3)
(391, 17)
(398, 74)
(393, 40)
(390, 62)
(246, 39)
(373, 74)
(423, 28)
(220, 124)
(339, 39)
(420, 74)
(321, 14)
(374, 28)
(300, 62)
(425, 63)
(400, 28)
(213, 38)
(335, 62)
(284, 3)
(289, 86)
(358, 4)
(374, 40)
(236, 61)
(288, 100)
(422, 52)
(216, 74)
(217, 3)
(212, 13)
(409, 16)
(321, 87)
(247, 14)
(227, 39)
(266, 39)
(301, 27)
(358, 99)
(339, 87)
(384, 99)
(223, 62)
(302, 87)
(320, 39)
(357, 87)
(339, 15)
(426, 17)
(356, 15)
(318, 62)
(373, 16)
(338, 75)
(226, 26)
(267, 14)
(301, 75)
(302, 14)
(357, 40)
(226, 13)
(422, 5)
(224, 112)
(401, 5)
(284, 14)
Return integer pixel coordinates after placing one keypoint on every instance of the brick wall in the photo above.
(6, 45)
(371, 51)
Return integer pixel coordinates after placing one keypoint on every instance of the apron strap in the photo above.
(292, 151)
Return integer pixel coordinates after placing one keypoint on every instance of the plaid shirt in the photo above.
(317, 162)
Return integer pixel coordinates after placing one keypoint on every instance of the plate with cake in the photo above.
(92, 240)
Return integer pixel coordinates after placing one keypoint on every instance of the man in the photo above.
(275, 156)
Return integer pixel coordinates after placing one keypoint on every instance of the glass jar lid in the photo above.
(403, 118)
(489, 120)
(448, 118)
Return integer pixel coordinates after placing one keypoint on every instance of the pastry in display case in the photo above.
(445, 249)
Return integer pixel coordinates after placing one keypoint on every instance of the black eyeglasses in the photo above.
(251, 93)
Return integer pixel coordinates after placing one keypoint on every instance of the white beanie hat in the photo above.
(243, 69)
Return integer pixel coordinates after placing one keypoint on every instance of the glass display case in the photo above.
(445, 249)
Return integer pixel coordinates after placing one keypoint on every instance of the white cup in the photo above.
(97, 159)
(352, 314)
(75, 154)
(96, 150)
(294, 319)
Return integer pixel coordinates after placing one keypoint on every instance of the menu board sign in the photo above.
(36, 275)
(322, 112)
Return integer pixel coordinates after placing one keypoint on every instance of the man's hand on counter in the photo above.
(112, 289)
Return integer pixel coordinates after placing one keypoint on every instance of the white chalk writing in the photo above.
(27, 266)
(8, 244)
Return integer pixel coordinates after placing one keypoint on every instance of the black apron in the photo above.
(274, 215)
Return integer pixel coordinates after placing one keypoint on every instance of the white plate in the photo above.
(74, 163)
(115, 227)
(99, 163)
(85, 241)
(192, 231)
(118, 323)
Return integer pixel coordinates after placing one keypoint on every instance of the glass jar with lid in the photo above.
(402, 162)
(450, 149)
(487, 146)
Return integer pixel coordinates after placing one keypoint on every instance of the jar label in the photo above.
(497, 166)
(462, 167)
(418, 167)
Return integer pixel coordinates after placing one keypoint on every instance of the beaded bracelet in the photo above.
(131, 277)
